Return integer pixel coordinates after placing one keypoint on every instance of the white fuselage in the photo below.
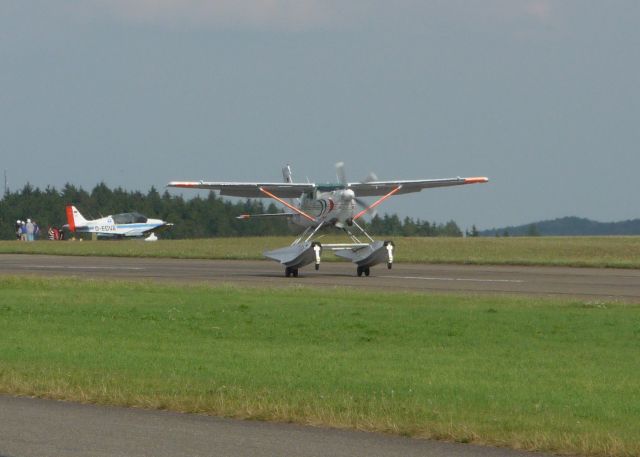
(331, 208)
(109, 227)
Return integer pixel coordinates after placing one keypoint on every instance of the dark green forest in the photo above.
(193, 218)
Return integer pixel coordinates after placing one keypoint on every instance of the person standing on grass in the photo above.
(23, 231)
(30, 230)
(18, 230)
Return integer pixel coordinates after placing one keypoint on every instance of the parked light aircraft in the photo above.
(122, 225)
(314, 206)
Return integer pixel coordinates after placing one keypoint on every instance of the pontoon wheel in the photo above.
(295, 272)
(389, 265)
(360, 270)
(366, 271)
(287, 272)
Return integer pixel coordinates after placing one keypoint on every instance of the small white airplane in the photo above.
(122, 225)
(314, 206)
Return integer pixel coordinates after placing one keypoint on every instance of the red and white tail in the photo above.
(74, 218)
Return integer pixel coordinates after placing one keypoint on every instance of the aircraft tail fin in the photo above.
(286, 173)
(74, 218)
(288, 177)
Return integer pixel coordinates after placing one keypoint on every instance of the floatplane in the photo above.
(312, 207)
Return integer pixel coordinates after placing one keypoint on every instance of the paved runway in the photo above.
(41, 428)
(590, 283)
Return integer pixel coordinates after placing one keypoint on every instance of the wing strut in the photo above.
(288, 205)
(364, 211)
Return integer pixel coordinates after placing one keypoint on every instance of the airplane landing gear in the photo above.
(364, 270)
(288, 272)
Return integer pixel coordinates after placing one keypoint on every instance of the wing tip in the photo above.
(476, 180)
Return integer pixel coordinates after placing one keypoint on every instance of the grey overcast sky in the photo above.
(542, 96)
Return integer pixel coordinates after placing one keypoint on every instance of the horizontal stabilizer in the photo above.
(251, 216)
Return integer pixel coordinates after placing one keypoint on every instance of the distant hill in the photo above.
(568, 226)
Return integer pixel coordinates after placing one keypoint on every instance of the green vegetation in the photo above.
(614, 252)
(527, 373)
(193, 218)
(212, 216)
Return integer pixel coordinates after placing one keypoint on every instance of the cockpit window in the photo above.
(129, 218)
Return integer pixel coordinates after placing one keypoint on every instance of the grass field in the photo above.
(613, 252)
(549, 375)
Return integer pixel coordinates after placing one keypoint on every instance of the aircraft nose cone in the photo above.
(348, 195)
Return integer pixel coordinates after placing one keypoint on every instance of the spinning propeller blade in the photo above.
(341, 174)
(342, 179)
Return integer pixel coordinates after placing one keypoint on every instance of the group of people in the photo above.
(27, 231)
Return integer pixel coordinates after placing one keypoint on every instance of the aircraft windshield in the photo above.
(129, 218)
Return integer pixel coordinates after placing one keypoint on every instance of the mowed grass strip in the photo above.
(551, 375)
(611, 252)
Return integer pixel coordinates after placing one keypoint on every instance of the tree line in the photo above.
(197, 217)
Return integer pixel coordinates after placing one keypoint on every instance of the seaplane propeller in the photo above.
(342, 179)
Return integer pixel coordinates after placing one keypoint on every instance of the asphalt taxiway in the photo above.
(588, 283)
(39, 428)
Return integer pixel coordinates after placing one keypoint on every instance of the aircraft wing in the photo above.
(248, 189)
(380, 188)
(158, 229)
(134, 232)
(128, 233)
